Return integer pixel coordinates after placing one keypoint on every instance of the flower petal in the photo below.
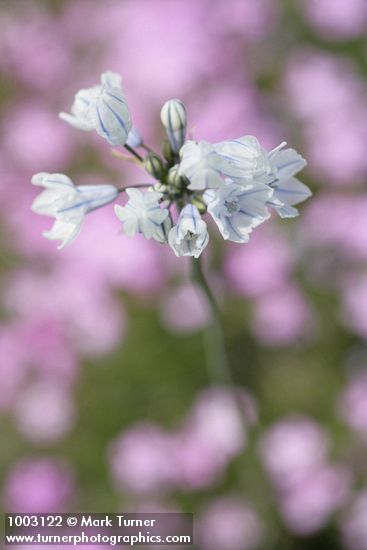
(64, 231)
(292, 191)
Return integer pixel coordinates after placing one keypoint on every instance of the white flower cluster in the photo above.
(237, 182)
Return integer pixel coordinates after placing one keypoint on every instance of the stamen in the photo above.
(231, 206)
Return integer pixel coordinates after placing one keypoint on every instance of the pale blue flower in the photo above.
(142, 213)
(201, 164)
(207, 165)
(237, 210)
(288, 190)
(68, 203)
(190, 236)
(63, 231)
(102, 108)
(244, 160)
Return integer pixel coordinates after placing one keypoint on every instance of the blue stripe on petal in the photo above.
(171, 134)
(104, 129)
(115, 97)
(234, 229)
(117, 116)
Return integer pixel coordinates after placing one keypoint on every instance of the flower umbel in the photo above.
(237, 182)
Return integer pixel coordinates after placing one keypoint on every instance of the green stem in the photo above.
(133, 152)
(217, 361)
(215, 351)
(148, 149)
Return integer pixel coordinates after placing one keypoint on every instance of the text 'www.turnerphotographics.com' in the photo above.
(108, 529)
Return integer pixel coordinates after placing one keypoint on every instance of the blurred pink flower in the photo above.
(216, 419)
(41, 59)
(294, 452)
(44, 412)
(282, 317)
(141, 459)
(146, 459)
(263, 264)
(308, 504)
(38, 485)
(354, 525)
(100, 322)
(332, 83)
(336, 19)
(229, 523)
(45, 354)
(345, 231)
(293, 449)
(214, 432)
(185, 309)
(199, 463)
(335, 148)
(334, 110)
(33, 136)
(251, 19)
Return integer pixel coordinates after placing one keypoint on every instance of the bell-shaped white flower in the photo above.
(238, 210)
(242, 160)
(245, 160)
(142, 213)
(174, 120)
(190, 236)
(102, 108)
(201, 165)
(288, 190)
(68, 203)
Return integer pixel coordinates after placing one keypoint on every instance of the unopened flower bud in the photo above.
(200, 204)
(174, 120)
(175, 179)
(153, 164)
(158, 188)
